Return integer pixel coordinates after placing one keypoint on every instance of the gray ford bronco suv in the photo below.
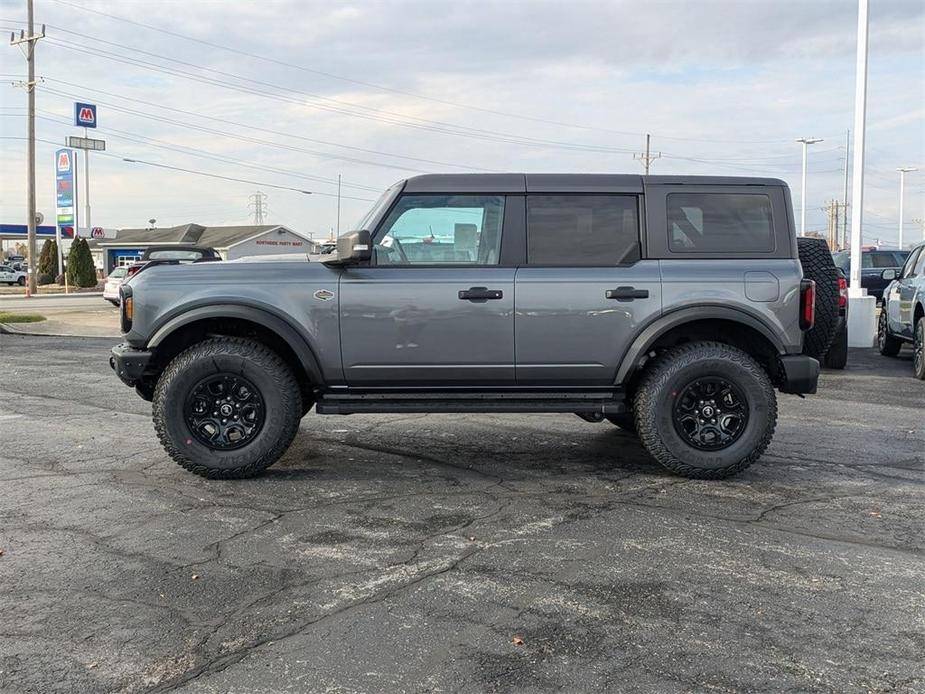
(671, 306)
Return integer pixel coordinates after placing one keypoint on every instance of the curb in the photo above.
(7, 329)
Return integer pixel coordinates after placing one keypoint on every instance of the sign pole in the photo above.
(87, 184)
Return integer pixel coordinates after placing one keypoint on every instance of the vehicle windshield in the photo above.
(176, 254)
(118, 273)
(378, 208)
(871, 259)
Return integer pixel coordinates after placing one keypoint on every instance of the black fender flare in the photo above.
(666, 322)
(281, 327)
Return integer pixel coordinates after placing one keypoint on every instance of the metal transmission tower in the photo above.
(647, 157)
(258, 201)
(27, 41)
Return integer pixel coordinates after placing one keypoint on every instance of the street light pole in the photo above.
(805, 141)
(903, 170)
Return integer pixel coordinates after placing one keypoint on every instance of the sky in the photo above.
(287, 95)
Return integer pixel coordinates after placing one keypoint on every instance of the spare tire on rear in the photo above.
(818, 266)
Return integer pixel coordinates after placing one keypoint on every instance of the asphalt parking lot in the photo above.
(439, 553)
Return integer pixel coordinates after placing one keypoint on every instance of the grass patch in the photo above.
(8, 317)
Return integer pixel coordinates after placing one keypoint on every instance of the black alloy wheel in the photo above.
(225, 411)
(710, 413)
(918, 349)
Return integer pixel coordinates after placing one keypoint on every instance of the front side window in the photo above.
(719, 223)
(441, 230)
(582, 230)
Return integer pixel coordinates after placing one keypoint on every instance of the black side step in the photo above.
(606, 402)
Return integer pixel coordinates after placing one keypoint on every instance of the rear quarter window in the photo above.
(719, 223)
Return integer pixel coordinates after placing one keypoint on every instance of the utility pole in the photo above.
(648, 157)
(28, 40)
(338, 204)
(903, 170)
(806, 141)
(259, 203)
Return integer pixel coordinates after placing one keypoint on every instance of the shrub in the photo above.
(48, 260)
(59, 280)
(45, 278)
(80, 268)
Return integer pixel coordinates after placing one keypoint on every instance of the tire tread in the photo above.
(287, 389)
(652, 386)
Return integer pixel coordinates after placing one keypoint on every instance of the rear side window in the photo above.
(879, 259)
(719, 223)
(582, 230)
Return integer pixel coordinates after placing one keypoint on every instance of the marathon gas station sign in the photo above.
(66, 191)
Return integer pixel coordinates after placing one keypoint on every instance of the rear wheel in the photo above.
(818, 266)
(227, 407)
(888, 345)
(918, 349)
(705, 410)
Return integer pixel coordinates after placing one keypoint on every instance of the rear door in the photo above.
(435, 306)
(584, 290)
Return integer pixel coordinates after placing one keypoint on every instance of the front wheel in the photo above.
(888, 345)
(227, 407)
(21, 281)
(918, 349)
(705, 410)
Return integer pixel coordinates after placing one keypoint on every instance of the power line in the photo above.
(192, 151)
(226, 121)
(373, 85)
(389, 117)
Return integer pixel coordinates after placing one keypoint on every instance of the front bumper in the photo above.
(129, 363)
(800, 374)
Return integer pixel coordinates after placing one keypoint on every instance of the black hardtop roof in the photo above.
(566, 182)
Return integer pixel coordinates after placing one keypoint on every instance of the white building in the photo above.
(231, 242)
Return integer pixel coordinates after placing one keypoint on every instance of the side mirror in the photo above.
(352, 248)
(889, 275)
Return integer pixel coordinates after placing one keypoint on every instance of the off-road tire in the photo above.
(669, 374)
(837, 356)
(624, 420)
(818, 266)
(269, 374)
(887, 344)
(918, 349)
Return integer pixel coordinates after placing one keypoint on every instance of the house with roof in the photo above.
(230, 241)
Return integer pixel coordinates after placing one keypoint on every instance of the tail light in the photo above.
(842, 293)
(807, 304)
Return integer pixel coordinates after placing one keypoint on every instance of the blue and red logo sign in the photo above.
(85, 115)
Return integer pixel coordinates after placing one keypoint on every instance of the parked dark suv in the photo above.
(873, 263)
(672, 306)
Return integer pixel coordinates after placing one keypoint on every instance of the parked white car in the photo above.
(111, 289)
(11, 276)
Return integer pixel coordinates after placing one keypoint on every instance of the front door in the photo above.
(584, 291)
(434, 307)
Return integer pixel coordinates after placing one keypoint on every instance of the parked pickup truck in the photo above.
(671, 306)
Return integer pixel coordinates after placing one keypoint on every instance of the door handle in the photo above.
(480, 294)
(626, 293)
